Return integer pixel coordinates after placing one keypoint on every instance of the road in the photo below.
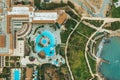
(107, 20)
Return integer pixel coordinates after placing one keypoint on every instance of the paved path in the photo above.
(66, 47)
(99, 29)
(86, 49)
(96, 28)
(107, 20)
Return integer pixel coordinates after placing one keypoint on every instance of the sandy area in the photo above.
(96, 3)
(81, 11)
(89, 6)
(107, 9)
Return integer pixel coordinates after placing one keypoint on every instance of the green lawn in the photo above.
(86, 30)
(114, 26)
(96, 23)
(76, 54)
(115, 12)
(69, 24)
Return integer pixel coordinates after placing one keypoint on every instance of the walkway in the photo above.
(96, 28)
(107, 20)
(66, 47)
(86, 49)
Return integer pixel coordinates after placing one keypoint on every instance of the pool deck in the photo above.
(57, 40)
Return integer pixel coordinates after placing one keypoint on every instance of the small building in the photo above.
(117, 4)
(29, 72)
(2, 41)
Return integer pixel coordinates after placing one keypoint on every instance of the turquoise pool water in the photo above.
(111, 52)
(44, 41)
(50, 49)
(16, 74)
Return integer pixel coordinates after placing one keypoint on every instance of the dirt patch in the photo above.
(80, 10)
(107, 25)
(89, 6)
(96, 3)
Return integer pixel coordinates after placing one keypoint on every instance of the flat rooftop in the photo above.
(45, 16)
(19, 10)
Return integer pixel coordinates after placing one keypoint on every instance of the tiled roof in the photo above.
(29, 72)
(11, 41)
(62, 18)
(13, 16)
(1, 10)
(2, 41)
(43, 21)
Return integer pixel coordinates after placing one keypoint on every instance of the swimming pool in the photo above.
(50, 49)
(111, 53)
(16, 74)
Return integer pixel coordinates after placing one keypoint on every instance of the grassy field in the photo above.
(115, 12)
(96, 23)
(76, 53)
(69, 24)
(114, 26)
